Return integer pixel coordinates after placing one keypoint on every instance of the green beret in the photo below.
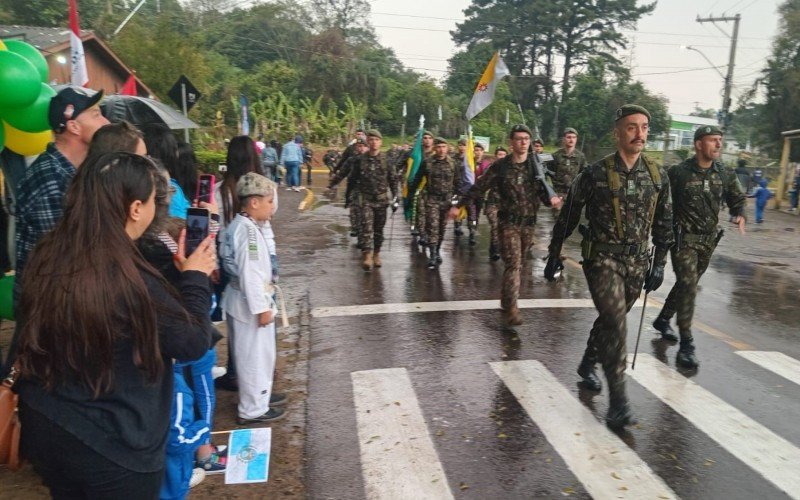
(538, 141)
(706, 130)
(427, 133)
(630, 109)
(519, 128)
(439, 140)
(570, 130)
(374, 133)
(462, 142)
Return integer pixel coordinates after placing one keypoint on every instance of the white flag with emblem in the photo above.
(484, 92)
(80, 76)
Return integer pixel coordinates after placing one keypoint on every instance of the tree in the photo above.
(781, 81)
(351, 17)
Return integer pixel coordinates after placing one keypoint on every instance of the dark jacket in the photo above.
(129, 425)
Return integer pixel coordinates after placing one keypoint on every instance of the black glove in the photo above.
(655, 277)
(554, 266)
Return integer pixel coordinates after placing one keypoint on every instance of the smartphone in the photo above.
(197, 220)
(205, 188)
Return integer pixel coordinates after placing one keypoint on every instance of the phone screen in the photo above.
(205, 188)
(196, 228)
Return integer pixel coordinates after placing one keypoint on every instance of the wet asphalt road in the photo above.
(486, 442)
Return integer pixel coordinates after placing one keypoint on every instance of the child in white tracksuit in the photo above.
(248, 299)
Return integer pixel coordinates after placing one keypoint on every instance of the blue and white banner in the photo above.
(248, 456)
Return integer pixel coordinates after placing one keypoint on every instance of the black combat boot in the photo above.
(472, 241)
(494, 253)
(662, 325)
(620, 414)
(353, 233)
(686, 357)
(414, 231)
(423, 241)
(586, 370)
(438, 254)
(457, 229)
(432, 257)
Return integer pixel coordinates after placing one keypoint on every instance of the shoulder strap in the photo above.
(614, 185)
(655, 175)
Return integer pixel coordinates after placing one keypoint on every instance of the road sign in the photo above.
(192, 94)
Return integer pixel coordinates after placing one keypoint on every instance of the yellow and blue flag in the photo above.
(412, 167)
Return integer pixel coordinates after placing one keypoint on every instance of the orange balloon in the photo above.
(26, 143)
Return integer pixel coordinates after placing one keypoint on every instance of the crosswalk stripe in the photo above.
(776, 362)
(398, 460)
(605, 465)
(758, 447)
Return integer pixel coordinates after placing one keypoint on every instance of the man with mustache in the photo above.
(698, 186)
(627, 200)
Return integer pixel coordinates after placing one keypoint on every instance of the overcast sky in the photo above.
(423, 42)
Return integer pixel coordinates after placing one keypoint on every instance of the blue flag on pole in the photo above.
(248, 456)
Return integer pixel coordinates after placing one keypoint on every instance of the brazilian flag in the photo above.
(412, 167)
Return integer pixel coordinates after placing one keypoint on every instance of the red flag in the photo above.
(80, 76)
(129, 88)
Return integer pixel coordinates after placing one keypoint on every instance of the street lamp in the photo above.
(689, 47)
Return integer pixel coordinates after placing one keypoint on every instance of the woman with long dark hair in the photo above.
(100, 327)
(162, 145)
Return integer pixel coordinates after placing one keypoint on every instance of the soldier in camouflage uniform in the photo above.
(627, 199)
(374, 177)
(490, 209)
(419, 224)
(699, 185)
(344, 172)
(351, 149)
(458, 162)
(567, 162)
(441, 184)
(518, 198)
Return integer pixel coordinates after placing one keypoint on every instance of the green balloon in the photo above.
(19, 81)
(34, 118)
(30, 53)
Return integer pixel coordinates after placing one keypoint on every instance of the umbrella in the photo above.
(141, 110)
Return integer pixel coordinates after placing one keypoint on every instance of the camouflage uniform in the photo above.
(420, 218)
(345, 171)
(517, 198)
(442, 183)
(566, 167)
(375, 178)
(697, 194)
(615, 265)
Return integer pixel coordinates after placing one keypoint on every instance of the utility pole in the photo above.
(724, 119)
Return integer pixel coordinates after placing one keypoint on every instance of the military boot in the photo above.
(414, 231)
(586, 370)
(512, 317)
(472, 241)
(438, 254)
(686, 357)
(423, 241)
(494, 253)
(368, 262)
(457, 229)
(619, 413)
(376, 259)
(353, 232)
(432, 257)
(662, 325)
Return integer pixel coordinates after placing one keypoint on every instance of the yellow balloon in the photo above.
(26, 143)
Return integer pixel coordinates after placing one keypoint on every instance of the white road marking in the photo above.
(605, 465)
(398, 460)
(759, 448)
(453, 305)
(776, 362)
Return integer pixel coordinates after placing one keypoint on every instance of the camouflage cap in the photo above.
(500, 148)
(253, 184)
(570, 130)
(440, 140)
(538, 141)
(374, 133)
(462, 142)
(361, 140)
(479, 145)
(630, 109)
(428, 133)
(706, 130)
(519, 128)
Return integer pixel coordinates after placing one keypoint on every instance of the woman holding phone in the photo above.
(100, 327)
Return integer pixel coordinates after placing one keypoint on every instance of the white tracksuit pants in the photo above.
(255, 352)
